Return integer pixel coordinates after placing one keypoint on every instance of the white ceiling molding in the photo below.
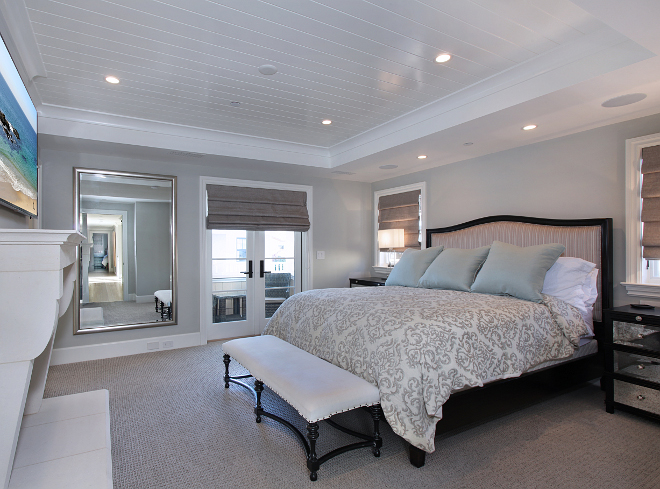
(589, 56)
(189, 81)
(78, 124)
(529, 80)
(18, 23)
(626, 18)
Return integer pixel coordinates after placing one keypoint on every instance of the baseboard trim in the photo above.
(144, 298)
(73, 354)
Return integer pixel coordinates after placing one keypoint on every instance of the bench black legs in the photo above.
(376, 412)
(313, 463)
(258, 389)
(373, 441)
(164, 310)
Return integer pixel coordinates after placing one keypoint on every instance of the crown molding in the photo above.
(96, 126)
(20, 29)
(591, 55)
(596, 53)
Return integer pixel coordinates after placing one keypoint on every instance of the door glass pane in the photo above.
(280, 279)
(228, 260)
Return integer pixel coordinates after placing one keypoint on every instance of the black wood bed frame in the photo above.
(562, 375)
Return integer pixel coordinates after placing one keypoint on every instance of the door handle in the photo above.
(262, 272)
(249, 272)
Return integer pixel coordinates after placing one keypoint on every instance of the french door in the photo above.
(252, 274)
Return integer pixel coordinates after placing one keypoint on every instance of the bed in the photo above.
(420, 345)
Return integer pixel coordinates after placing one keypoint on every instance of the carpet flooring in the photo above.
(175, 426)
(120, 312)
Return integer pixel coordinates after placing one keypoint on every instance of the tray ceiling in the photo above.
(369, 66)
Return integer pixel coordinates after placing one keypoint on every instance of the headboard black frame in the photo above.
(606, 266)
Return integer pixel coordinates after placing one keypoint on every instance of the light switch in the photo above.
(320, 255)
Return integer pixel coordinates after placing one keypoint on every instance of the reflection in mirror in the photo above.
(127, 263)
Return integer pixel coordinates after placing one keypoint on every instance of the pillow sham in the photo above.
(411, 266)
(590, 288)
(567, 273)
(516, 271)
(454, 269)
(573, 280)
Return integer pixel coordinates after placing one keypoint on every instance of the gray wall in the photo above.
(577, 176)
(12, 220)
(152, 247)
(341, 228)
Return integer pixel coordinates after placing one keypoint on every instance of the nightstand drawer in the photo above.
(636, 335)
(637, 396)
(637, 366)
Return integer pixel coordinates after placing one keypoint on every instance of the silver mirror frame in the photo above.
(77, 172)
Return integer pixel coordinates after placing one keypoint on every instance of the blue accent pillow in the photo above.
(516, 271)
(411, 266)
(454, 269)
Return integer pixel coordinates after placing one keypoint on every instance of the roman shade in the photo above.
(651, 202)
(256, 209)
(401, 211)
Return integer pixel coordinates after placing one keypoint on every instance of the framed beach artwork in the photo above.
(18, 140)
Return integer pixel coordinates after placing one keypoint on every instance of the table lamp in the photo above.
(388, 239)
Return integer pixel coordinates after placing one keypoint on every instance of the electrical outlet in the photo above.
(153, 345)
(168, 344)
(320, 255)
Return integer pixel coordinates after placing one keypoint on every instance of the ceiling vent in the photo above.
(189, 154)
(340, 172)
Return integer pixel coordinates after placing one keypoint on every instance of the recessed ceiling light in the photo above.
(468, 144)
(421, 157)
(622, 100)
(443, 58)
(529, 127)
(326, 121)
(235, 104)
(267, 69)
(112, 79)
(388, 167)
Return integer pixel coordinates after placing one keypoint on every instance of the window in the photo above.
(241, 250)
(642, 275)
(392, 209)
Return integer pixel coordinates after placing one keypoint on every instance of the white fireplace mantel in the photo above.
(37, 276)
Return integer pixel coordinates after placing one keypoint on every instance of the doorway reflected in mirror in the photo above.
(129, 253)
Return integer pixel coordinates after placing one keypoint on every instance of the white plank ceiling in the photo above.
(368, 65)
(358, 63)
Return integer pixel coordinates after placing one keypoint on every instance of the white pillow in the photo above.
(573, 280)
(590, 288)
(565, 274)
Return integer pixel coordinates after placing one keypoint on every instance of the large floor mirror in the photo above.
(127, 263)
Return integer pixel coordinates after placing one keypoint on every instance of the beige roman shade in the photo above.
(651, 202)
(401, 211)
(256, 209)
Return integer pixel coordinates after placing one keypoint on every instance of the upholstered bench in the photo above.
(164, 297)
(315, 388)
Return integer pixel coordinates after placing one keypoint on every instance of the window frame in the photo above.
(637, 284)
(421, 186)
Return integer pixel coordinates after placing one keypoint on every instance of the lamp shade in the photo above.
(390, 238)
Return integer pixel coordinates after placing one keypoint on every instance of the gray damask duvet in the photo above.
(420, 345)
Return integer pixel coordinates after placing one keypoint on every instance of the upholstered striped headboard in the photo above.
(589, 239)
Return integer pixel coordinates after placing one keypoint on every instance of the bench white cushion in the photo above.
(165, 296)
(315, 388)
